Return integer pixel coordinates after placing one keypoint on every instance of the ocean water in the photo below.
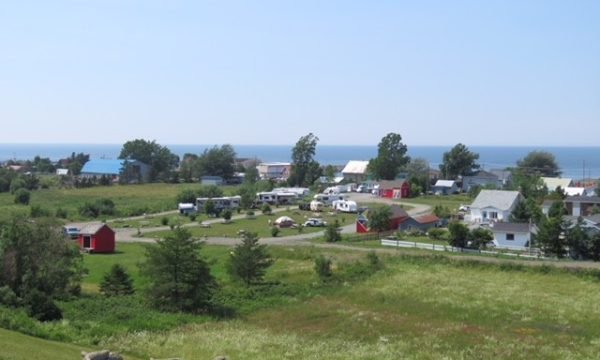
(575, 162)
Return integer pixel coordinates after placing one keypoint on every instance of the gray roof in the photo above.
(512, 227)
(91, 229)
(503, 175)
(584, 199)
(483, 175)
(499, 199)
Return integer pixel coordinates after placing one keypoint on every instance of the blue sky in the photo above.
(267, 72)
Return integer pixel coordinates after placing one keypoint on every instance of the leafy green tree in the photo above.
(274, 231)
(266, 209)
(330, 173)
(227, 215)
(391, 157)
(436, 233)
(210, 191)
(161, 160)
(247, 192)
(332, 234)
(216, 161)
(323, 268)
(459, 161)
(179, 279)
(595, 247)
(527, 211)
(22, 196)
(541, 163)
(441, 211)
(187, 196)
(249, 261)
(458, 234)
(251, 175)
(38, 265)
(480, 238)
(305, 170)
(418, 173)
(210, 208)
(578, 241)
(116, 282)
(557, 209)
(551, 237)
(379, 219)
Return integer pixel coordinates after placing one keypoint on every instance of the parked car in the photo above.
(71, 232)
(313, 222)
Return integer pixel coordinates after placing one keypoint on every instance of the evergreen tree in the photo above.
(116, 282)
(331, 232)
(458, 234)
(179, 279)
(551, 237)
(249, 260)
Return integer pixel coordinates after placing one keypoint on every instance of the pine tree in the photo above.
(116, 282)
(249, 260)
(180, 280)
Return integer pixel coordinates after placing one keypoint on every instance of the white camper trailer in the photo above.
(221, 203)
(186, 208)
(316, 205)
(346, 206)
(328, 199)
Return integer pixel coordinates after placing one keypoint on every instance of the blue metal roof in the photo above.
(102, 166)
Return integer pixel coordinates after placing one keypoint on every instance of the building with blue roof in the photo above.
(128, 171)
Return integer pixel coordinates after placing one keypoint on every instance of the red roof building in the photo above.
(394, 189)
(97, 238)
(398, 216)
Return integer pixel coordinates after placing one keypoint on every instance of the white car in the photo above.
(312, 222)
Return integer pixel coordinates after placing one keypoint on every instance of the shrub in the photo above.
(37, 211)
(61, 213)
(249, 213)
(8, 297)
(227, 215)
(22, 196)
(374, 261)
(164, 221)
(331, 232)
(274, 231)
(436, 233)
(41, 306)
(323, 267)
(116, 282)
(186, 196)
(193, 217)
(266, 209)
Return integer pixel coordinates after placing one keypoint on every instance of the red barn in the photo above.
(394, 189)
(398, 216)
(97, 238)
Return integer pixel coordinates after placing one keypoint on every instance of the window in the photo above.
(510, 237)
(493, 215)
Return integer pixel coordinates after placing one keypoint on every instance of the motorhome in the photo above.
(346, 206)
(316, 206)
(328, 199)
(276, 198)
(221, 203)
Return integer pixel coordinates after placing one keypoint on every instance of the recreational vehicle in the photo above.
(186, 208)
(346, 206)
(328, 199)
(316, 205)
(276, 198)
(221, 203)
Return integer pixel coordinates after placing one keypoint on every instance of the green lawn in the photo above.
(16, 346)
(450, 201)
(260, 224)
(129, 199)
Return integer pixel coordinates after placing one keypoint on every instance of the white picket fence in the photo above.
(434, 247)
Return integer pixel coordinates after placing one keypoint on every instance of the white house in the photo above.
(445, 187)
(553, 183)
(512, 235)
(494, 206)
(355, 170)
(274, 170)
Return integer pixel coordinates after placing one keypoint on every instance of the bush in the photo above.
(193, 217)
(274, 231)
(186, 196)
(8, 297)
(61, 213)
(331, 232)
(227, 215)
(164, 221)
(41, 306)
(374, 261)
(37, 211)
(436, 234)
(22, 196)
(249, 213)
(116, 282)
(323, 267)
(100, 207)
(266, 209)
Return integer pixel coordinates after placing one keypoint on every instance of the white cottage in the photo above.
(512, 235)
(494, 206)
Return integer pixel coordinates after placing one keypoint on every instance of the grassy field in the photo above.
(451, 201)
(418, 307)
(15, 346)
(260, 224)
(128, 199)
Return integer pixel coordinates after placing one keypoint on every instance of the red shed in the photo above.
(98, 238)
(399, 215)
(394, 189)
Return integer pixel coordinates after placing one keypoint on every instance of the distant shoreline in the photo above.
(571, 159)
